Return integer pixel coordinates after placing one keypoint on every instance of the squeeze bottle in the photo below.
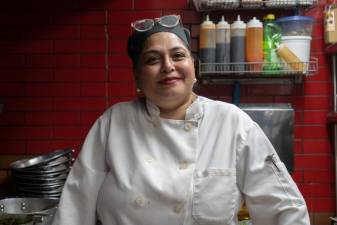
(222, 45)
(207, 45)
(254, 40)
(238, 44)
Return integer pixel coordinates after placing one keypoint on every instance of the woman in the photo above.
(173, 157)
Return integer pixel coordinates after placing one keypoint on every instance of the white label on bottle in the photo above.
(329, 20)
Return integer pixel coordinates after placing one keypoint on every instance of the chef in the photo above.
(172, 157)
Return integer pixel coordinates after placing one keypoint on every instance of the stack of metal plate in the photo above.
(42, 176)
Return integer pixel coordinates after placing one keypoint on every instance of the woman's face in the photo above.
(165, 71)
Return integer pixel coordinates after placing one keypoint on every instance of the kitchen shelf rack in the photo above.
(214, 5)
(214, 73)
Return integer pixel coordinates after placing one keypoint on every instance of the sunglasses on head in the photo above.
(147, 24)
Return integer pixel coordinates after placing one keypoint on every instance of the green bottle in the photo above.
(271, 39)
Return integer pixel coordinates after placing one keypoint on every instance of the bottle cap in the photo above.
(254, 23)
(208, 23)
(238, 24)
(222, 24)
(269, 17)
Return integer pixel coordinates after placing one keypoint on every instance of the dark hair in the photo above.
(137, 39)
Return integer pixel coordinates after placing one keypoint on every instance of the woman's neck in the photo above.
(177, 112)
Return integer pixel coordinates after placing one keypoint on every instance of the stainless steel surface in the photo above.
(27, 211)
(277, 122)
(40, 160)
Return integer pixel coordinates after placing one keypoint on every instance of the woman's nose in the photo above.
(167, 65)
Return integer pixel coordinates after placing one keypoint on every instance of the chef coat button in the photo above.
(149, 159)
(178, 208)
(139, 201)
(183, 165)
(188, 126)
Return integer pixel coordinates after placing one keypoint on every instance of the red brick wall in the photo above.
(63, 62)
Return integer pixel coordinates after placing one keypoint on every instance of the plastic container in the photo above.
(271, 40)
(207, 44)
(296, 25)
(299, 45)
(254, 40)
(223, 45)
(238, 45)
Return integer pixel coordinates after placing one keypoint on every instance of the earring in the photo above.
(195, 80)
(138, 90)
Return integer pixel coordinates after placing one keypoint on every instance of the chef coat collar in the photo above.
(193, 112)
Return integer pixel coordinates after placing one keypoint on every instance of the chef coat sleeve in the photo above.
(78, 201)
(270, 193)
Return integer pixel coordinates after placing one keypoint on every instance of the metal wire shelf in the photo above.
(258, 70)
(212, 5)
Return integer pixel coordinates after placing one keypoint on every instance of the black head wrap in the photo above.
(137, 39)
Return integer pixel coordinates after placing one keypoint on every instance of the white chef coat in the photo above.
(136, 168)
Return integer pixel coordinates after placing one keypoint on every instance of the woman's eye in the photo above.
(179, 56)
(152, 60)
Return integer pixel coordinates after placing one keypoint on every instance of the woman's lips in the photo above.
(168, 81)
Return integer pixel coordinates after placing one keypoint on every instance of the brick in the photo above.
(24, 133)
(126, 17)
(117, 46)
(39, 146)
(79, 46)
(88, 118)
(315, 117)
(269, 90)
(298, 117)
(121, 74)
(70, 132)
(12, 118)
(214, 90)
(80, 104)
(94, 89)
(22, 75)
(322, 162)
(53, 89)
(316, 13)
(119, 60)
(25, 18)
(13, 60)
(59, 60)
(311, 102)
(321, 146)
(74, 144)
(323, 204)
(27, 104)
(117, 31)
(92, 32)
(53, 32)
(317, 44)
(317, 190)
(121, 89)
(148, 4)
(80, 74)
(317, 88)
(297, 176)
(40, 46)
(52, 118)
(322, 59)
(313, 176)
(323, 74)
(317, 30)
(298, 147)
(12, 147)
(187, 16)
(12, 89)
(114, 100)
(92, 60)
(311, 131)
(195, 31)
(112, 5)
(80, 17)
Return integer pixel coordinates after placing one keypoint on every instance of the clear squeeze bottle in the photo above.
(254, 40)
(272, 37)
(207, 44)
(222, 45)
(238, 45)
